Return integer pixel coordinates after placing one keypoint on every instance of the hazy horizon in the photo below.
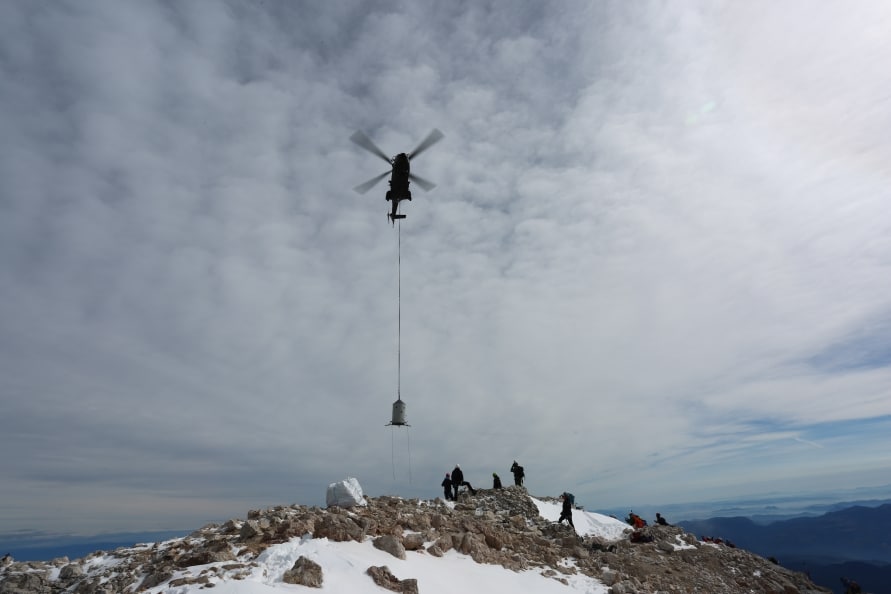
(782, 506)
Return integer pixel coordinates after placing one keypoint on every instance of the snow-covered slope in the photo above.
(586, 523)
(344, 565)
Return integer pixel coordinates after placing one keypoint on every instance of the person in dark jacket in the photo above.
(519, 475)
(566, 514)
(496, 481)
(458, 481)
(661, 521)
(447, 487)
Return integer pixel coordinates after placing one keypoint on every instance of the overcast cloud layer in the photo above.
(655, 268)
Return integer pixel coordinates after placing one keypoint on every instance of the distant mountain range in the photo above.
(36, 546)
(763, 509)
(852, 542)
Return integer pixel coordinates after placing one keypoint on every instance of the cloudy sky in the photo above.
(655, 268)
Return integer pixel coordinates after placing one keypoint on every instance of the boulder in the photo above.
(413, 541)
(155, 578)
(434, 550)
(390, 544)
(70, 572)
(305, 572)
(345, 493)
(383, 577)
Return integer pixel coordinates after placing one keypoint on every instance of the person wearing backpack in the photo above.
(519, 475)
(566, 514)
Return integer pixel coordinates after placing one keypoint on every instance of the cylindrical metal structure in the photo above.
(398, 413)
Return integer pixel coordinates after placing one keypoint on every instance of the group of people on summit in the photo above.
(451, 484)
(638, 522)
(455, 480)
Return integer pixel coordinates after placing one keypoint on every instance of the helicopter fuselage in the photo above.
(399, 180)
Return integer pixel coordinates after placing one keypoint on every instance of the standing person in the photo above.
(458, 481)
(447, 487)
(496, 481)
(566, 514)
(519, 475)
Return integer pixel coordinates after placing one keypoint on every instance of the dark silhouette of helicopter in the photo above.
(400, 171)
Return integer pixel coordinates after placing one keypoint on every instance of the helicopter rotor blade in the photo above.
(432, 138)
(364, 187)
(427, 185)
(362, 140)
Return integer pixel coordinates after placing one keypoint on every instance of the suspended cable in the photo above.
(398, 406)
(399, 312)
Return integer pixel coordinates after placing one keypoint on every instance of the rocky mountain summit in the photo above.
(501, 527)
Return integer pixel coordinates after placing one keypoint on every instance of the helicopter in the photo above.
(400, 171)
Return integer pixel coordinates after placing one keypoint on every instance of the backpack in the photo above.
(571, 498)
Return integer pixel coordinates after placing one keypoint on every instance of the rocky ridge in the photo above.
(497, 527)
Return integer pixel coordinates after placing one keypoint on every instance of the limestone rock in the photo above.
(250, 529)
(435, 550)
(390, 544)
(383, 577)
(305, 572)
(203, 557)
(413, 541)
(339, 528)
(155, 578)
(71, 571)
(608, 578)
(16, 583)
